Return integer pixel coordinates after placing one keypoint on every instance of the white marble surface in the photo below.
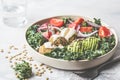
(107, 10)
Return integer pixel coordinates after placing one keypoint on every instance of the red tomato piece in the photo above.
(73, 25)
(104, 31)
(86, 29)
(76, 23)
(47, 34)
(79, 21)
(56, 22)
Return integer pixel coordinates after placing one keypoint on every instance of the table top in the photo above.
(107, 10)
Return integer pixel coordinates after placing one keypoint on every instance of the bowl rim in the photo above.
(116, 39)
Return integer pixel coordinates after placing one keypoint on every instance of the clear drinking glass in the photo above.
(14, 12)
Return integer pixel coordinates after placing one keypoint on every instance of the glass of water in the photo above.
(14, 12)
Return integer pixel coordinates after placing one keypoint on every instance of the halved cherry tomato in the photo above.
(73, 25)
(47, 34)
(86, 29)
(76, 23)
(79, 21)
(56, 22)
(104, 31)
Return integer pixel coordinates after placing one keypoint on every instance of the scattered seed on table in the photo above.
(30, 58)
(37, 73)
(11, 66)
(42, 68)
(16, 59)
(49, 68)
(20, 58)
(47, 78)
(24, 54)
(30, 64)
(25, 50)
(24, 46)
(10, 61)
(15, 62)
(1, 50)
(6, 56)
(24, 57)
(15, 48)
(40, 75)
(9, 52)
(36, 67)
(41, 64)
(10, 47)
(51, 71)
(16, 74)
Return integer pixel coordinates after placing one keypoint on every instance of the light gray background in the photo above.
(107, 10)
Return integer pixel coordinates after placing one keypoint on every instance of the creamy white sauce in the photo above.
(49, 45)
(60, 46)
(63, 32)
(54, 37)
(70, 33)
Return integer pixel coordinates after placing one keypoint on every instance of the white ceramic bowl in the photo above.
(72, 65)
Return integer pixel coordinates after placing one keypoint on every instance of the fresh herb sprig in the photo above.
(23, 70)
(97, 21)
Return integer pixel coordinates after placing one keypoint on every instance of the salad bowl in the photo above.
(73, 64)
